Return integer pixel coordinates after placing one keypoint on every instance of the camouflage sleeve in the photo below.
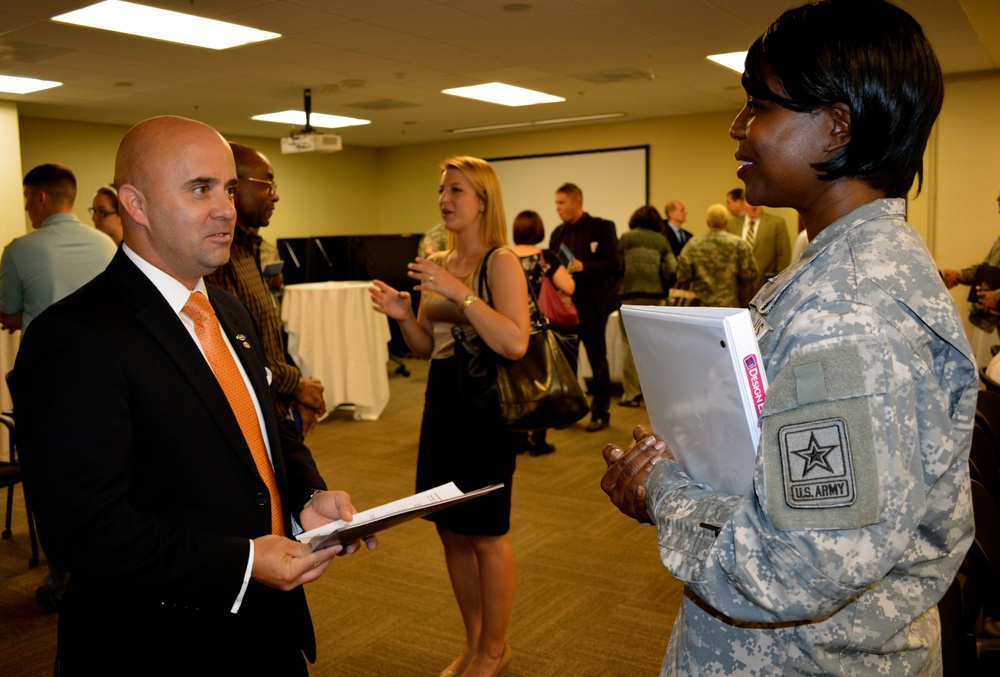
(747, 264)
(967, 275)
(853, 421)
(684, 267)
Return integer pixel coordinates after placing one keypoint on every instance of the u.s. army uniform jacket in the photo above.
(860, 512)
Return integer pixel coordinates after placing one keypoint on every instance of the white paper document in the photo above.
(704, 385)
(369, 522)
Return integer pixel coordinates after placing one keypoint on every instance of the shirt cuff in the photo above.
(246, 582)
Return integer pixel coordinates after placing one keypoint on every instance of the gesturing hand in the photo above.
(432, 277)
(390, 302)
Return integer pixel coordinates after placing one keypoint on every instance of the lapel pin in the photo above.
(241, 337)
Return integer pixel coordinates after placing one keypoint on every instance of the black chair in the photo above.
(981, 586)
(988, 414)
(10, 475)
(958, 641)
(984, 460)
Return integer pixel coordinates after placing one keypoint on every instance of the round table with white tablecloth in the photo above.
(335, 336)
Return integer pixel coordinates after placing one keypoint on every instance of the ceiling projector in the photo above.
(311, 142)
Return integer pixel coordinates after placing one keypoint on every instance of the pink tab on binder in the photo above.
(752, 370)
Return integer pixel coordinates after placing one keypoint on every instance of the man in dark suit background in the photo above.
(142, 479)
(594, 244)
(676, 235)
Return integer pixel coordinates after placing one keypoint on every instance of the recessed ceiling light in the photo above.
(10, 84)
(505, 95)
(533, 123)
(733, 60)
(298, 117)
(161, 24)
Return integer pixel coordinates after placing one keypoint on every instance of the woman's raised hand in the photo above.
(390, 302)
(432, 277)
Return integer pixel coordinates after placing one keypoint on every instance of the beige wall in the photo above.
(690, 159)
(967, 178)
(11, 193)
(324, 194)
(87, 149)
(11, 225)
(393, 190)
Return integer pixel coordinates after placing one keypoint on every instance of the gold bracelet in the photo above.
(469, 300)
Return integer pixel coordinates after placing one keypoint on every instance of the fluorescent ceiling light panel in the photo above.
(298, 117)
(551, 121)
(161, 24)
(733, 60)
(505, 95)
(14, 85)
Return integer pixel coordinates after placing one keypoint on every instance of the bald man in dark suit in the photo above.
(140, 468)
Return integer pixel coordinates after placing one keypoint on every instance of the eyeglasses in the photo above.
(272, 186)
(102, 213)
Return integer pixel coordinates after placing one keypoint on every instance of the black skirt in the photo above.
(470, 453)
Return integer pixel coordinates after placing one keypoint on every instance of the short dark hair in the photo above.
(572, 190)
(870, 55)
(646, 217)
(56, 180)
(735, 194)
(528, 228)
(112, 194)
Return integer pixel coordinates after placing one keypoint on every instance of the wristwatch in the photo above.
(302, 505)
(469, 300)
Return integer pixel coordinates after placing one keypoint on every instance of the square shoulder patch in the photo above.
(820, 436)
(817, 471)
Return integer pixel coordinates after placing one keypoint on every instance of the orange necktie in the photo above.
(206, 327)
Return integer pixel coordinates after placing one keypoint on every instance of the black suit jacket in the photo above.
(675, 243)
(144, 488)
(597, 284)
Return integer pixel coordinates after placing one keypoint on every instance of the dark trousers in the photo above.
(591, 332)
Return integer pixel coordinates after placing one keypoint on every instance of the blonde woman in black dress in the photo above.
(472, 452)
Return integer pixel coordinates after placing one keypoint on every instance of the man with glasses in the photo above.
(256, 197)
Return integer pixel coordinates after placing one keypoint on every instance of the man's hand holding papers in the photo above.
(327, 506)
(627, 471)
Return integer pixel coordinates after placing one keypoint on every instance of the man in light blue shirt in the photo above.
(36, 270)
(57, 258)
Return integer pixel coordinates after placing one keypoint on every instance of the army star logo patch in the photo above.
(816, 464)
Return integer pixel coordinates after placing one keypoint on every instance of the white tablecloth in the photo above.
(335, 336)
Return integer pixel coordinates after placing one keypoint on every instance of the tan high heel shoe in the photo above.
(504, 664)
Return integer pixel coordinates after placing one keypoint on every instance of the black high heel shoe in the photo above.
(634, 402)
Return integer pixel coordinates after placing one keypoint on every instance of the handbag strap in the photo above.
(484, 285)
(483, 288)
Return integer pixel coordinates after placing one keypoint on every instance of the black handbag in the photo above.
(536, 392)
